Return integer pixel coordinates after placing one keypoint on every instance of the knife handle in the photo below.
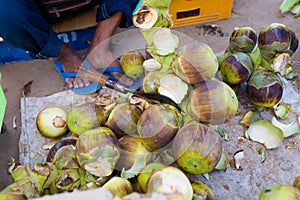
(94, 76)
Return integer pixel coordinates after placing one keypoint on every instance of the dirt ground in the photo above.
(38, 78)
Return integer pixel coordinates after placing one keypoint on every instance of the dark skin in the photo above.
(71, 60)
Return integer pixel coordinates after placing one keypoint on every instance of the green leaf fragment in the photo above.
(286, 5)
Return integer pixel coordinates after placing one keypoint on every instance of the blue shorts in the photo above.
(24, 24)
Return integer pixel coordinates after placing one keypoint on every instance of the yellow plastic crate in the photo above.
(187, 12)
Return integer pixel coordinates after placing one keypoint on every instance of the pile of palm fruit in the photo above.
(137, 146)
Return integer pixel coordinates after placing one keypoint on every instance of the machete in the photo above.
(95, 76)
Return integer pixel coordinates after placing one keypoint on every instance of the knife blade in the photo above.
(94, 76)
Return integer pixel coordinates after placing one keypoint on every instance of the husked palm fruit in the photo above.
(279, 192)
(236, 68)
(151, 65)
(165, 42)
(195, 62)
(118, 186)
(173, 87)
(151, 83)
(170, 180)
(52, 122)
(202, 191)
(197, 148)
(264, 88)
(213, 102)
(123, 119)
(132, 64)
(85, 116)
(158, 124)
(242, 39)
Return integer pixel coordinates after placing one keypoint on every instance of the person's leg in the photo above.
(99, 53)
(24, 26)
(110, 15)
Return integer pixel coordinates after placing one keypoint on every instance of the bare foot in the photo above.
(99, 54)
(100, 58)
(71, 61)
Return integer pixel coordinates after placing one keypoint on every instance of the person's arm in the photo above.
(108, 7)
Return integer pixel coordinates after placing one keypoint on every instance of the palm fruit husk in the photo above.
(212, 101)
(279, 192)
(236, 68)
(12, 196)
(223, 163)
(264, 132)
(57, 146)
(69, 179)
(152, 14)
(256, 58)
(296, 183)
(264, 88)
(49, 171)
(21, 189)
(195, 62)
(250, 117)
(132, 64)
(296, 10)
(145, 17)
(158, 125)
(294, 42)
(282, 65)
(169, 180)
(281, 110)
(202, 191)
(65, 157)
(145, 174)
(287, 5)
(97, 151)
(25, 182)
(123, 119)
(197, 148)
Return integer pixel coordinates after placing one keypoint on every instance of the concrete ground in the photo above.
(39, 78)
